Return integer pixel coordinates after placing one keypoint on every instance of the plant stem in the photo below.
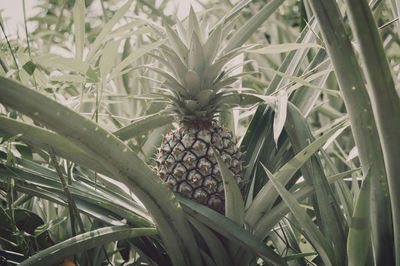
(71, 203)
(21, 200)
(9, 47)
(27, 40)
(70, 200)
(26, 27)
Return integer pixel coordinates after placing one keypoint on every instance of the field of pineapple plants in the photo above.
(133, 132)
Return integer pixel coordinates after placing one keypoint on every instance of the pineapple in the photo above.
(197, 88)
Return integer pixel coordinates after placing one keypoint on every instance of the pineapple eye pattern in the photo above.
(187, 164)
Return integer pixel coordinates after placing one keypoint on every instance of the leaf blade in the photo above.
(143, 125)
(283, 48)
(280, 115)
(86, 241)
(107, 58)
(133, 56)
(105, 30)
(320, 243)
(358, 240)
(234, 205)
(266, 196)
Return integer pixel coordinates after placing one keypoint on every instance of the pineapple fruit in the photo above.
(197, 88)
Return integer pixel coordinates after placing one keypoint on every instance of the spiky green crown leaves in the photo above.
(197, 84)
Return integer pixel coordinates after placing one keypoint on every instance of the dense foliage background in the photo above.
(79, 127)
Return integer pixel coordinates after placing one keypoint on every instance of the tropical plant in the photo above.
(311, 180)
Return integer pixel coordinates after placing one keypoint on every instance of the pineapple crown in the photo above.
(197, 83)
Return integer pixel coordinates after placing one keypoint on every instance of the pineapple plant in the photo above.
(197, 89)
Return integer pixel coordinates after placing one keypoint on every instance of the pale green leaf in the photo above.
(125, 28)
(193, 24)
(235, 10)
(142, 125)
(280, 115)
(182, 33)
(192, 82)
(234, 206)
(177, 44)
(309, 79)
(246, 99)
(212, 42)
(108, 58)
(68, 78)
(196, 54)
(304, 82)
(173, 62)
(170, 81)
(332, 138)
(41, 79)
(352, 154)
(129, 34)
(133, 56)
(94, 47)
(283, 48)
(244, 33)
(62, 63)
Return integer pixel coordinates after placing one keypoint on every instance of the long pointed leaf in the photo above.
(304, 82)
(217, 249)
(270, 219)
(230, 230)
(234, 205)
(280, 115)
(330, 217)
(143, 125)
(106, 30)
(133, 56)
(85, 241)
(283, 48)
(107, 58)
(320, 243)
(267, 195)
(244, 33)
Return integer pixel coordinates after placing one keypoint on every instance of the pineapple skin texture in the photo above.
(186, 163)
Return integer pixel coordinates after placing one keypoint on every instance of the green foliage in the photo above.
(319, 149)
